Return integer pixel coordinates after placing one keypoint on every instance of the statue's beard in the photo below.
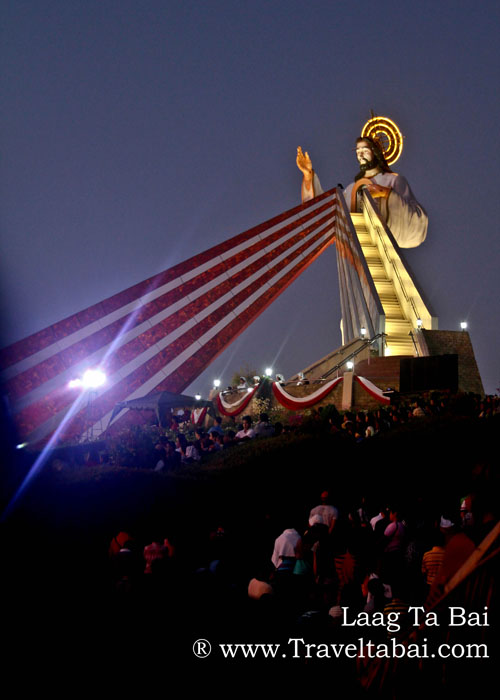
(368, 166)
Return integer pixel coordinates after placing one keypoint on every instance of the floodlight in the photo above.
(93, 378)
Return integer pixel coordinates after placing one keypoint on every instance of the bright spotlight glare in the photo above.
(197, 397)
(269, 371)
(350, 365)
(419, 323)
(463, 325)
(74, 383)
(21, 445)
(93, 378)
(216, 383)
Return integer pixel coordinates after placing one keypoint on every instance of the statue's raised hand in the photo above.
(304, 163)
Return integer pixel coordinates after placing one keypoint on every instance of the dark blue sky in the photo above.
(137, 133)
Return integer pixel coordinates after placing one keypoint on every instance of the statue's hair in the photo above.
(378, 155)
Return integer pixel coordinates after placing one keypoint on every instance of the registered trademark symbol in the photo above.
(202, 648)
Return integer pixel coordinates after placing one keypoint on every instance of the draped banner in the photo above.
(198, 416)
(295, 404)
(372, 389)
(234, 409)
(162, 333)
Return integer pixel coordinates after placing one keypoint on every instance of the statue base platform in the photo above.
(449, 365)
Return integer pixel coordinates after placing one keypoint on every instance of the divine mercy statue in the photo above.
(405, 217)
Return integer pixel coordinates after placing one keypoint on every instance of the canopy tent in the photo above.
(161, 402)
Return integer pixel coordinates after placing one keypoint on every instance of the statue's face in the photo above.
(364, 152)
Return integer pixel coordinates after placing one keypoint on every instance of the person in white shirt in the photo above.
(247, 431)
(326, 513)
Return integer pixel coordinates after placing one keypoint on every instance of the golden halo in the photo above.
(385, 132)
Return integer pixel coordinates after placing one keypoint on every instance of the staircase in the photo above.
(397, 327)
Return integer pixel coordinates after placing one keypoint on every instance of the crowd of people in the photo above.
(292, 547)
(310, 570)
(310, 573)
(174, 448)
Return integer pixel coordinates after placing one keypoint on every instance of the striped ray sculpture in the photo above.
(162, 333)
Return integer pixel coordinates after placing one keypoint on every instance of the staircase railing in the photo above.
(352, 355)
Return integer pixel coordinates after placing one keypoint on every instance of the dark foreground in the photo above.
(65, 616)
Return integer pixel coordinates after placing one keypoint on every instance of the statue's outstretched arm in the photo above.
(305, 166)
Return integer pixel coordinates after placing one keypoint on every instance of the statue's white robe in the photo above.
(405, 217)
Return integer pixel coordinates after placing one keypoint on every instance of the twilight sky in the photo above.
(136, 133)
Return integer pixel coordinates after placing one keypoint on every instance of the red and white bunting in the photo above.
(198, 415)
(296, 404)
(234, 409)
(372, 389)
